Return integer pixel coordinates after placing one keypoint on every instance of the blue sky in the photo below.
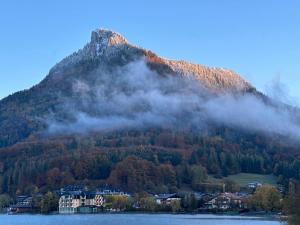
(259, 39)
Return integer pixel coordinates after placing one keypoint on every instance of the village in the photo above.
(78, 199)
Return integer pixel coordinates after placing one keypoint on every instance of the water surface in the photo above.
(133, 219)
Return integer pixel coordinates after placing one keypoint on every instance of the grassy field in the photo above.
(244, 178)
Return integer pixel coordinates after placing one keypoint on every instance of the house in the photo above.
(69, 202)
(254, 185)
(203, 198)
(281, 188)
(80, 202)
(70, 188)
(225, 201)
(23, 205)
(107, 190)
(167, 199)
(99, 199)
(76, 198)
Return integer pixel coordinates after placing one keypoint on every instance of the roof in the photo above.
(166, 196)
(229, 195)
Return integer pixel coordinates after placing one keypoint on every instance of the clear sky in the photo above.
(259, 39)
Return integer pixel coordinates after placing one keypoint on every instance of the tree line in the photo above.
(153, 160)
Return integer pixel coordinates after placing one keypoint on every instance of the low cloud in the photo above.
(134, 96)
(277, 90)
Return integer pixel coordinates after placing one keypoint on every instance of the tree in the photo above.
(292, 209)
(150, 204)
(5, 200)
(189, 202)
(231, 186)
(265, 198)
(54, 178)
(36, 203)
(198, 175)
(49, 203)
(136, 174)
(175, 206)
(119, 202)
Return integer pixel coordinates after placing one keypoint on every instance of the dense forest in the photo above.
(153, 160)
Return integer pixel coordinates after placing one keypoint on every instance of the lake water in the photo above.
(132, 219)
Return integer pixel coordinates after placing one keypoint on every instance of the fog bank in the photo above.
(134, 96)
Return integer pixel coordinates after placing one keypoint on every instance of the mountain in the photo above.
(113, 113)
(22, 113)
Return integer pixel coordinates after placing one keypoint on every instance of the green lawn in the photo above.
(244, 178)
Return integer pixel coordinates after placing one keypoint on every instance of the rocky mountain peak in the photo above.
(107, 38)
(104, 43)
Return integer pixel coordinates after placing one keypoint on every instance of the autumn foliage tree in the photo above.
(136, 174)
(292, 209)
(265, 198)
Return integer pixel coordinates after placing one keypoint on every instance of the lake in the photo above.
(133, 219)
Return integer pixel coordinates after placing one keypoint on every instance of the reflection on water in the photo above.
(133, 219)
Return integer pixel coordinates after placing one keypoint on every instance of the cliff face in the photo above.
(212, 78)
(110, 47)
(23, 113)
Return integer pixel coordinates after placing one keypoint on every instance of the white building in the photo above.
(80, 202)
